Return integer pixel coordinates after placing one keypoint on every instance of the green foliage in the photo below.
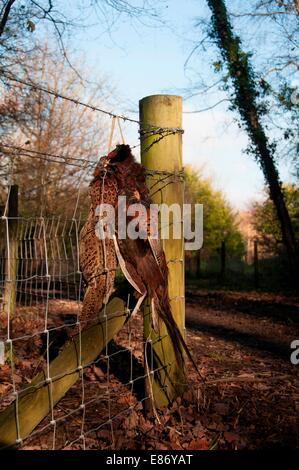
(219, 219)
(266, 224)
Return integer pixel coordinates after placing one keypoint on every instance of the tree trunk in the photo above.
(245, 100)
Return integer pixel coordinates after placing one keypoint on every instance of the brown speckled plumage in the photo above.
(96, 255)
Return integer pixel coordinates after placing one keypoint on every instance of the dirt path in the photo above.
(266, 325)
(242, 343)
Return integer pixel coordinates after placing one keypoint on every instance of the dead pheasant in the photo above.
(98, 261)
(142, 260)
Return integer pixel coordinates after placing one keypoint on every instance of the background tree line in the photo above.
(256, 73)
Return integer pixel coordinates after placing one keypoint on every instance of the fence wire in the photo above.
(49, 293)
(41, 293)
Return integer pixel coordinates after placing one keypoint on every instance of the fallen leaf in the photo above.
(222, 408)
(4, 387)
(124, 400)
(17, 378)
(200, 443)
(25, 364)
(98, 372)
(230, 437)
(174, 439)
(247, 358)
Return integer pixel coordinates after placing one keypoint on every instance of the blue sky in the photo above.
(142, 61)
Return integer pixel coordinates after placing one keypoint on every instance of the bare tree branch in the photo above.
(208, 108)
(6, 10)
(265, 13)
(284, 66)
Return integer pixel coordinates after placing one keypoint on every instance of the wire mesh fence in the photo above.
(59, 386)
(256, 269)
(40, 307)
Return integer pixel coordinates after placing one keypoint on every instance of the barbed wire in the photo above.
(151, 129)
(63, 160)
(38, 152)
(67, 98)
(24, 152)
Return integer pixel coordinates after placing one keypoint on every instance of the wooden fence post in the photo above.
(162, 152)
(11, 269)
(198, 264)
(222, 260)
(256, 264)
